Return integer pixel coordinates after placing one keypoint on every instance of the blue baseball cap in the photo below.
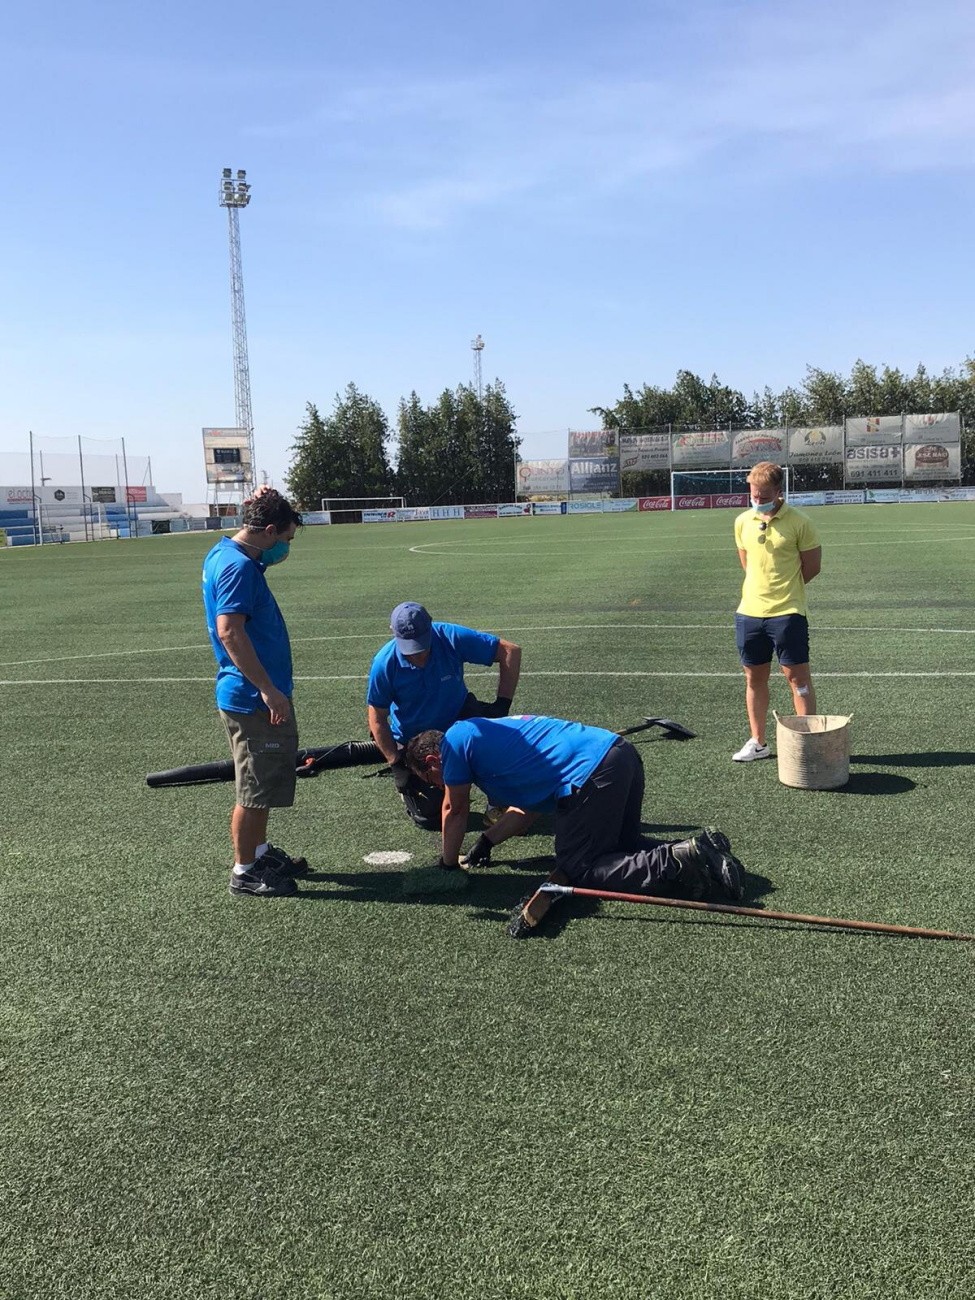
(412, 627)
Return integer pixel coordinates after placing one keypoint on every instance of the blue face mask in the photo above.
(764, 507)
(276, 554)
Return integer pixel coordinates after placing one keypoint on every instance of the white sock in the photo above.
(241, 868)
(260, 851)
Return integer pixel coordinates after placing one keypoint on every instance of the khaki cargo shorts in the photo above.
(264, 758)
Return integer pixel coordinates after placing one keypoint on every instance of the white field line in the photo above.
(655, 552)
(528, 627)
(361, 677)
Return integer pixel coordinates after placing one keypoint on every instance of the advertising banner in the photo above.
(316, 516)
(883, 496)
(943, 428)
(510, 509)
(387, 516)
(594, 474)
(548, 507)
(701, 450)
(619, 505)
(928, 462)
(543, 478)
(643, 451)
(752, 445)
(480, 512)
(18, 496)
(801, 499)
(844, 498)
(136, 493)
(701, 502)
(726, 500)
(103, 496)
(585, 507)
(446, 512)
(924, 494)
(819, 445)
(655, 503)
(874, 464)
(874, 430)
(960, 494)
(601, 442)
(412, 514)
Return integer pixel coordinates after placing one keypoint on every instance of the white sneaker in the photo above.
(750, 751)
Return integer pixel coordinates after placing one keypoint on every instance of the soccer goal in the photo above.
(714, 482)
(348, 510)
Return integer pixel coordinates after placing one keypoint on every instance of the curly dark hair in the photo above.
(266, 507)
(419, 750)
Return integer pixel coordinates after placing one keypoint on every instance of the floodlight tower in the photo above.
(234, 195)
(477, 347)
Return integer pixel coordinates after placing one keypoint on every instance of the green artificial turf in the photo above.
(362, 1092)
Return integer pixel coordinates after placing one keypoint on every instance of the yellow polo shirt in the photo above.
(773, 583)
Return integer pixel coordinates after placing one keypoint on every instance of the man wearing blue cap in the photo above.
(416, 683)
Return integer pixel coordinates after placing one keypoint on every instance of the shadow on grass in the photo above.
(875, 783)
(924, 758)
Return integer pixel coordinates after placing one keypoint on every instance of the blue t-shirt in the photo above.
(233, 583)
(431, 697)
(526, 761)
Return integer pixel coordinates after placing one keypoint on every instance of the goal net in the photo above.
(348, 510)
(714, 482)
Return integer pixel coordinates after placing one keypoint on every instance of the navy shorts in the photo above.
(787, 635)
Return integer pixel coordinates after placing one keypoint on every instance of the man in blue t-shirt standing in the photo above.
(593, 781)
(254, 687)
(416, 683)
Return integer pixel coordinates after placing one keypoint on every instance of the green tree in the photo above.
(461, 449)
(342, 456)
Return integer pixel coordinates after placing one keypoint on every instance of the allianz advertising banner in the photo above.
(643, 451)
(543, 478)
(702, 449)
(942, 428)
(819, 445)
(752, 445)
(930, 462)
(594, 474)
(874, 464)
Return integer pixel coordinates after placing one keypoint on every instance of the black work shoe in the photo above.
(692, 876)
(283, 863)
(263, 880)
(722, 866)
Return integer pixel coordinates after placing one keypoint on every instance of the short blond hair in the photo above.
(766, 474)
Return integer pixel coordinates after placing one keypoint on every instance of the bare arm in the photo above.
(382, 734)
(456, 806)
(232, 631)
(811, 562)
(508, 657)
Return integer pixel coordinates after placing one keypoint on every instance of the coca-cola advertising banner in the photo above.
(702, 450)
(700, 502)
(729, 500)
(819, 445)
(943, 428)
(643, 451)
(654, 503)
(752, 445)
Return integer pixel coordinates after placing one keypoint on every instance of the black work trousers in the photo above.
(598, 840)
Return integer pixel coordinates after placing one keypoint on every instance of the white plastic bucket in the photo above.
(813, 752)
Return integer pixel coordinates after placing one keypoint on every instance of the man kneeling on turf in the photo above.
(592, 780)
(416, 683)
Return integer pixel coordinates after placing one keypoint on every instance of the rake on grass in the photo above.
(877, 927)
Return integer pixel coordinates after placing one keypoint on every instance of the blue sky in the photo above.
(605, 193)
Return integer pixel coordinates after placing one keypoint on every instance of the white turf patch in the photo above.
(388, 858)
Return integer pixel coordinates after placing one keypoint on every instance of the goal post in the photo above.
(348, 510)
(714, 482)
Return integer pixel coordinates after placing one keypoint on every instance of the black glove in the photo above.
(401, 775)
(502, 707)
(480, 854)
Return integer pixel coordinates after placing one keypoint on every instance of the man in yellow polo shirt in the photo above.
(780, 553)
